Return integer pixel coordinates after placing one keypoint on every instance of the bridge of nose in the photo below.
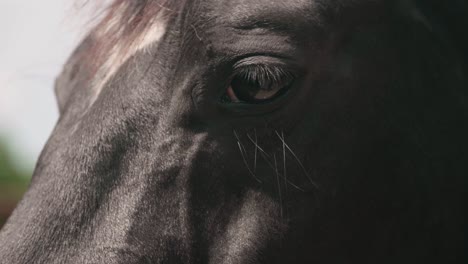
(116, 176)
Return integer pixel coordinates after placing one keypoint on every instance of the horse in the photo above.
(215, 131)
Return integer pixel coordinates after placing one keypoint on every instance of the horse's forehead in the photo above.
(237, 13)
(244, 11)
(291, 16)
(244, 8)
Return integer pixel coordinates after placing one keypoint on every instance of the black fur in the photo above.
(362, 160)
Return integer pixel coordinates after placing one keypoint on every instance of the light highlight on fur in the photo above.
(120, 52)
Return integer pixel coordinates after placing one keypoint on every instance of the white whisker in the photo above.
(242, 150)
(298, 160)
(266, 157)
(279, 187)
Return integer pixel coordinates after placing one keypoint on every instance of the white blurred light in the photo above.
(36, 39)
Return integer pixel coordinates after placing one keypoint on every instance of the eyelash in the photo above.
(257, 83)
(265, 75)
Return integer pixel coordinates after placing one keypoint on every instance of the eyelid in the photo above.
(265, 75)
(264, 60)
(266, 69)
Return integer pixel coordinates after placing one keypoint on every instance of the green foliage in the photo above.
(8, 171)
(13, 182)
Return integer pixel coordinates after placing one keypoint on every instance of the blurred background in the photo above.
(36, 38)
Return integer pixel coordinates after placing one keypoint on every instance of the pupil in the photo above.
(252, 90)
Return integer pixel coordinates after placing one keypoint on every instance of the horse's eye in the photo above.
(258, 85)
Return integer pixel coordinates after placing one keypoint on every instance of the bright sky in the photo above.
(36, 38)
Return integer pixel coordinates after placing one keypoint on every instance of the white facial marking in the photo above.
(120, 53)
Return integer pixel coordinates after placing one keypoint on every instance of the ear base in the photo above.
(62, 90)
(72, 76)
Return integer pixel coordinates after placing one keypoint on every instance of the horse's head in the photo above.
(215, 131)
